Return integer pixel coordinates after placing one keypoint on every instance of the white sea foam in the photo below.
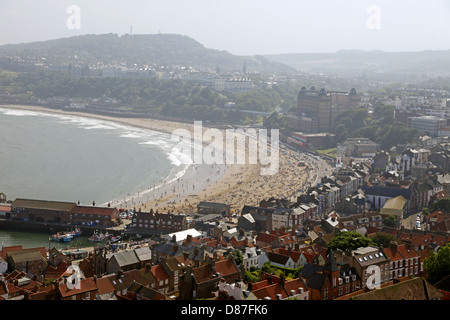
(19, 113)
(179, 161)
(131, 135)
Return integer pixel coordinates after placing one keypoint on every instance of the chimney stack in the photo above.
(393, 245)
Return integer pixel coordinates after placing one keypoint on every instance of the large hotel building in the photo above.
(317, 109)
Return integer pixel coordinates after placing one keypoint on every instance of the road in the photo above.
(410, 222)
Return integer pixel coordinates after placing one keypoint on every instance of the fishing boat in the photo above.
(76, 232)
(61, 237)
(96, 237)
(114, 239)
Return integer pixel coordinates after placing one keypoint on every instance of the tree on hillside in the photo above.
(275, 121)
(383, 239)
(238, 257)
(349, 240)
(437, 265)
(390, 221)
(441, 205)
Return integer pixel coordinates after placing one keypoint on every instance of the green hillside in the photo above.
(149, 49)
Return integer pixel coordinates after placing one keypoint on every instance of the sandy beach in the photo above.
(234, 184)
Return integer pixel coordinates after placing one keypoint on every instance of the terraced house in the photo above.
(158, 222)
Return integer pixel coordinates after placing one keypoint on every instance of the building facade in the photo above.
(317, 109)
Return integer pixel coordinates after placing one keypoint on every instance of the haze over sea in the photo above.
(49, 156)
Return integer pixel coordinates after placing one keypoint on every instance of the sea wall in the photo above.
(50, 228)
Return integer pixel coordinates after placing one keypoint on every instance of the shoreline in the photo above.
(234, 184)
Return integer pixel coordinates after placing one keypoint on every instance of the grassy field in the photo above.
(328, 152)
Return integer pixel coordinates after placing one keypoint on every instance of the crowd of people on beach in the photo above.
(234, 185)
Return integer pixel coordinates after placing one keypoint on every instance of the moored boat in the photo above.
(99, 237)
(114, 239)
(61, 237)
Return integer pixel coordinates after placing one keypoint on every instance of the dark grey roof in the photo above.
(248, 209)
(143, 290)
(126, 258)
(143, 254)
(214, 205)
(277, 258)
(330, 263)
(168, 248)
(309, 269)
(386, 191)
(316, 281)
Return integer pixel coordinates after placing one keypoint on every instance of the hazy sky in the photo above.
(242, 27)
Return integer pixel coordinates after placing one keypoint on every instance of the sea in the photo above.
(58, 157)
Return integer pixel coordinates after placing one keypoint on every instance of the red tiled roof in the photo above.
(57, 272)
(212, 243)
(159, 272)
(226, 267)
(86, 285)
(265, 237)
(309, 256)
(203, 273)
(104, 285)
(235, 243)
(418, 239)
(264, 289)
(407, 253)
(183, 259)
(439, 240)
(295, 255)
(15, 275)
(5, 250)
(392, 254)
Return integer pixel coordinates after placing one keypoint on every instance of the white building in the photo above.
(429, 125)
(237, 85)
